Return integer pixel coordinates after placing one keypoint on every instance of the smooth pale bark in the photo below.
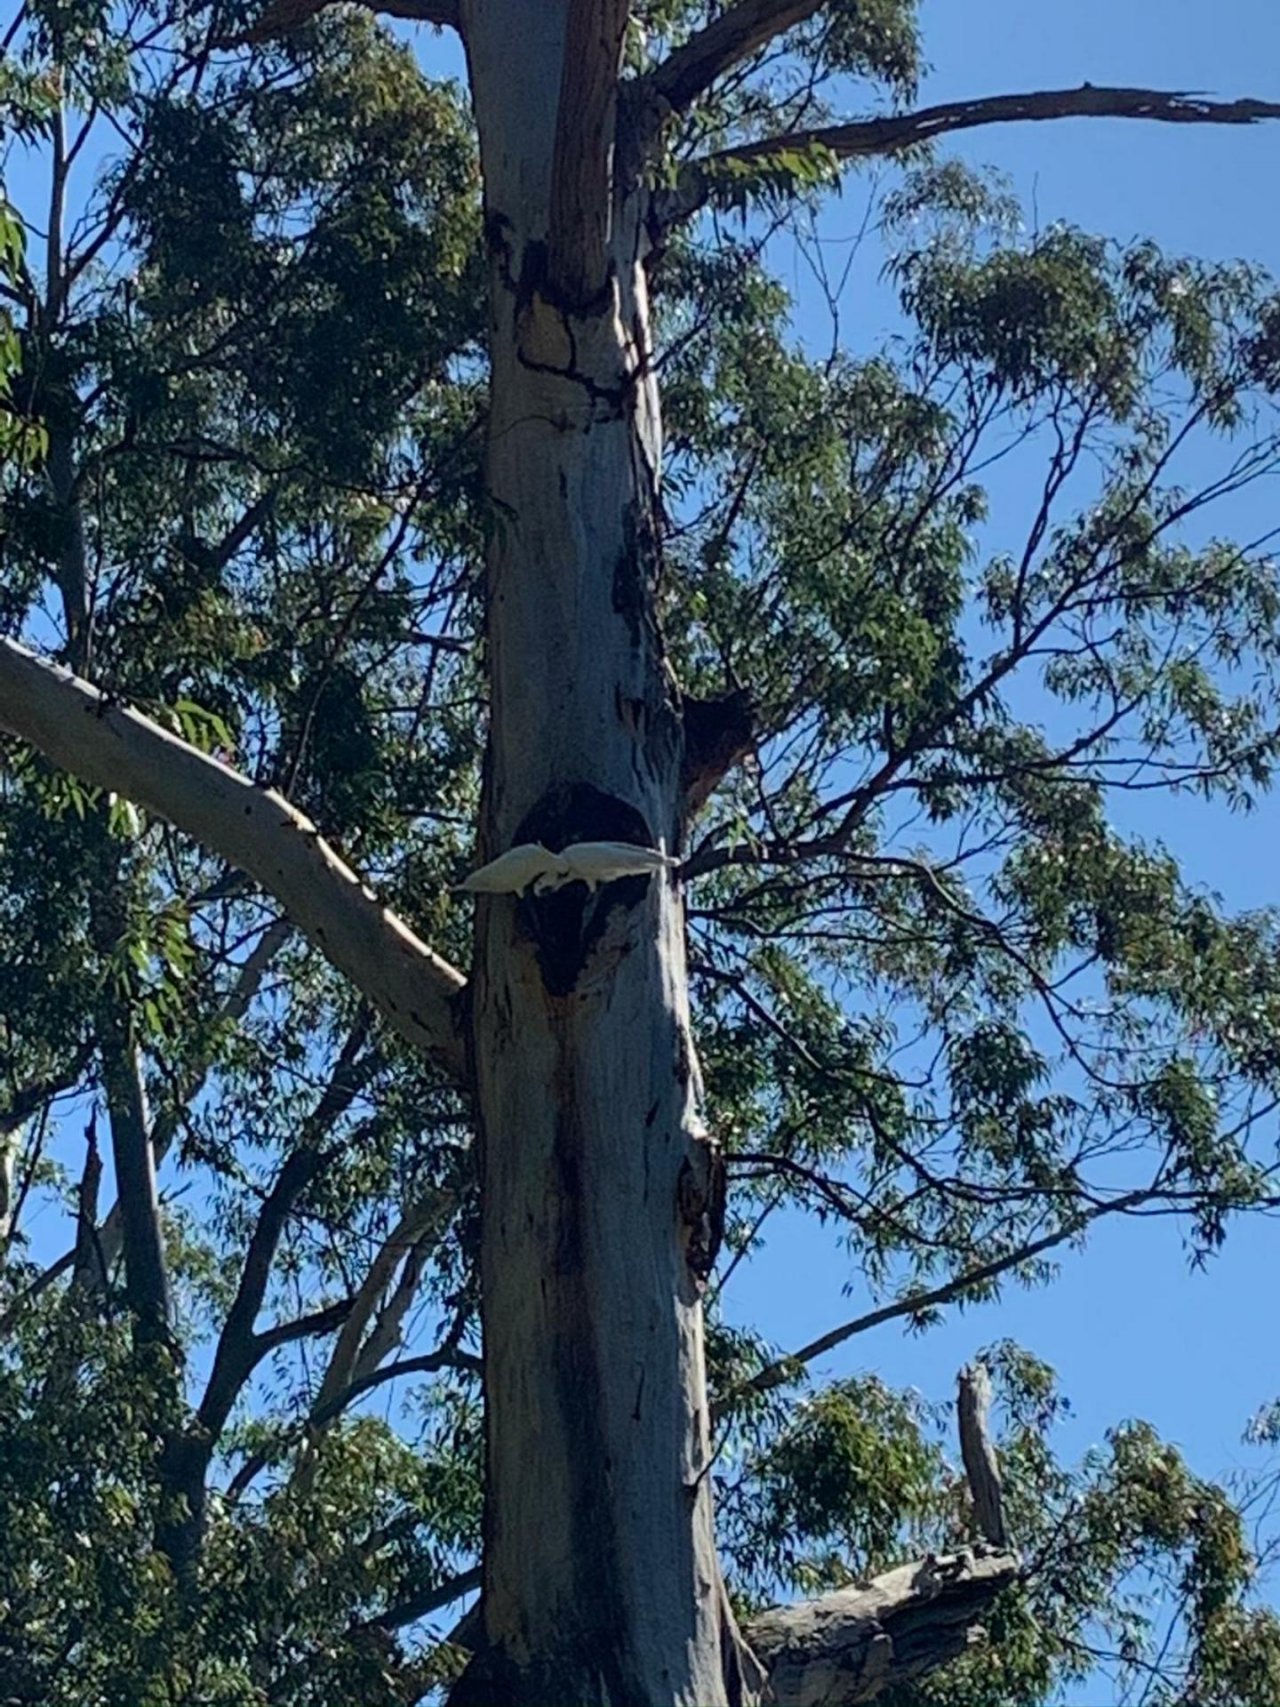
(113, 747)
(601, 1582)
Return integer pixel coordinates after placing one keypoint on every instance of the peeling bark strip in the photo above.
(110, 746)
(582, 171)
(855, 1644)
(700, 1200)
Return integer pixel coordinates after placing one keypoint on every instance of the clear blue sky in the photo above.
(1130, 1331)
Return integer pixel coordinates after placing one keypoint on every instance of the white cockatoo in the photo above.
(594, 863)
(512, 872)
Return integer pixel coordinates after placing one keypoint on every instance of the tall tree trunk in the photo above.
(601, 1582)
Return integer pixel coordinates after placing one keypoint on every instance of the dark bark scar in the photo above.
(700, 1204)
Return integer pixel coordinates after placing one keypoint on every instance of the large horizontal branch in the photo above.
(857, 1643)
(732, 37)
(113, 747)
(282, 17)
(893, 135)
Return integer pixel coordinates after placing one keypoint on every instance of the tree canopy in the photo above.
(942, 1000)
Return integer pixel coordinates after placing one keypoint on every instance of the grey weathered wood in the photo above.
(980, 1464)
(853, 1645)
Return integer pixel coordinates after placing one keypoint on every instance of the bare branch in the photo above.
(164, 1127)
(317, 1323)
(185, 1461)
(240, 1349)
(775, 1374)
(734, 36)
(282, 17)
(146, 1276)
(110, 746)
(243, 530)
(908, 130)
(893, 135)
(385, 1333)
(429, 1215)
(430, 1600)
(103, 1247)
(857, 1643)
(446, 1356)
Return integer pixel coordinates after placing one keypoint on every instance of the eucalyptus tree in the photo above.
(399, 478)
